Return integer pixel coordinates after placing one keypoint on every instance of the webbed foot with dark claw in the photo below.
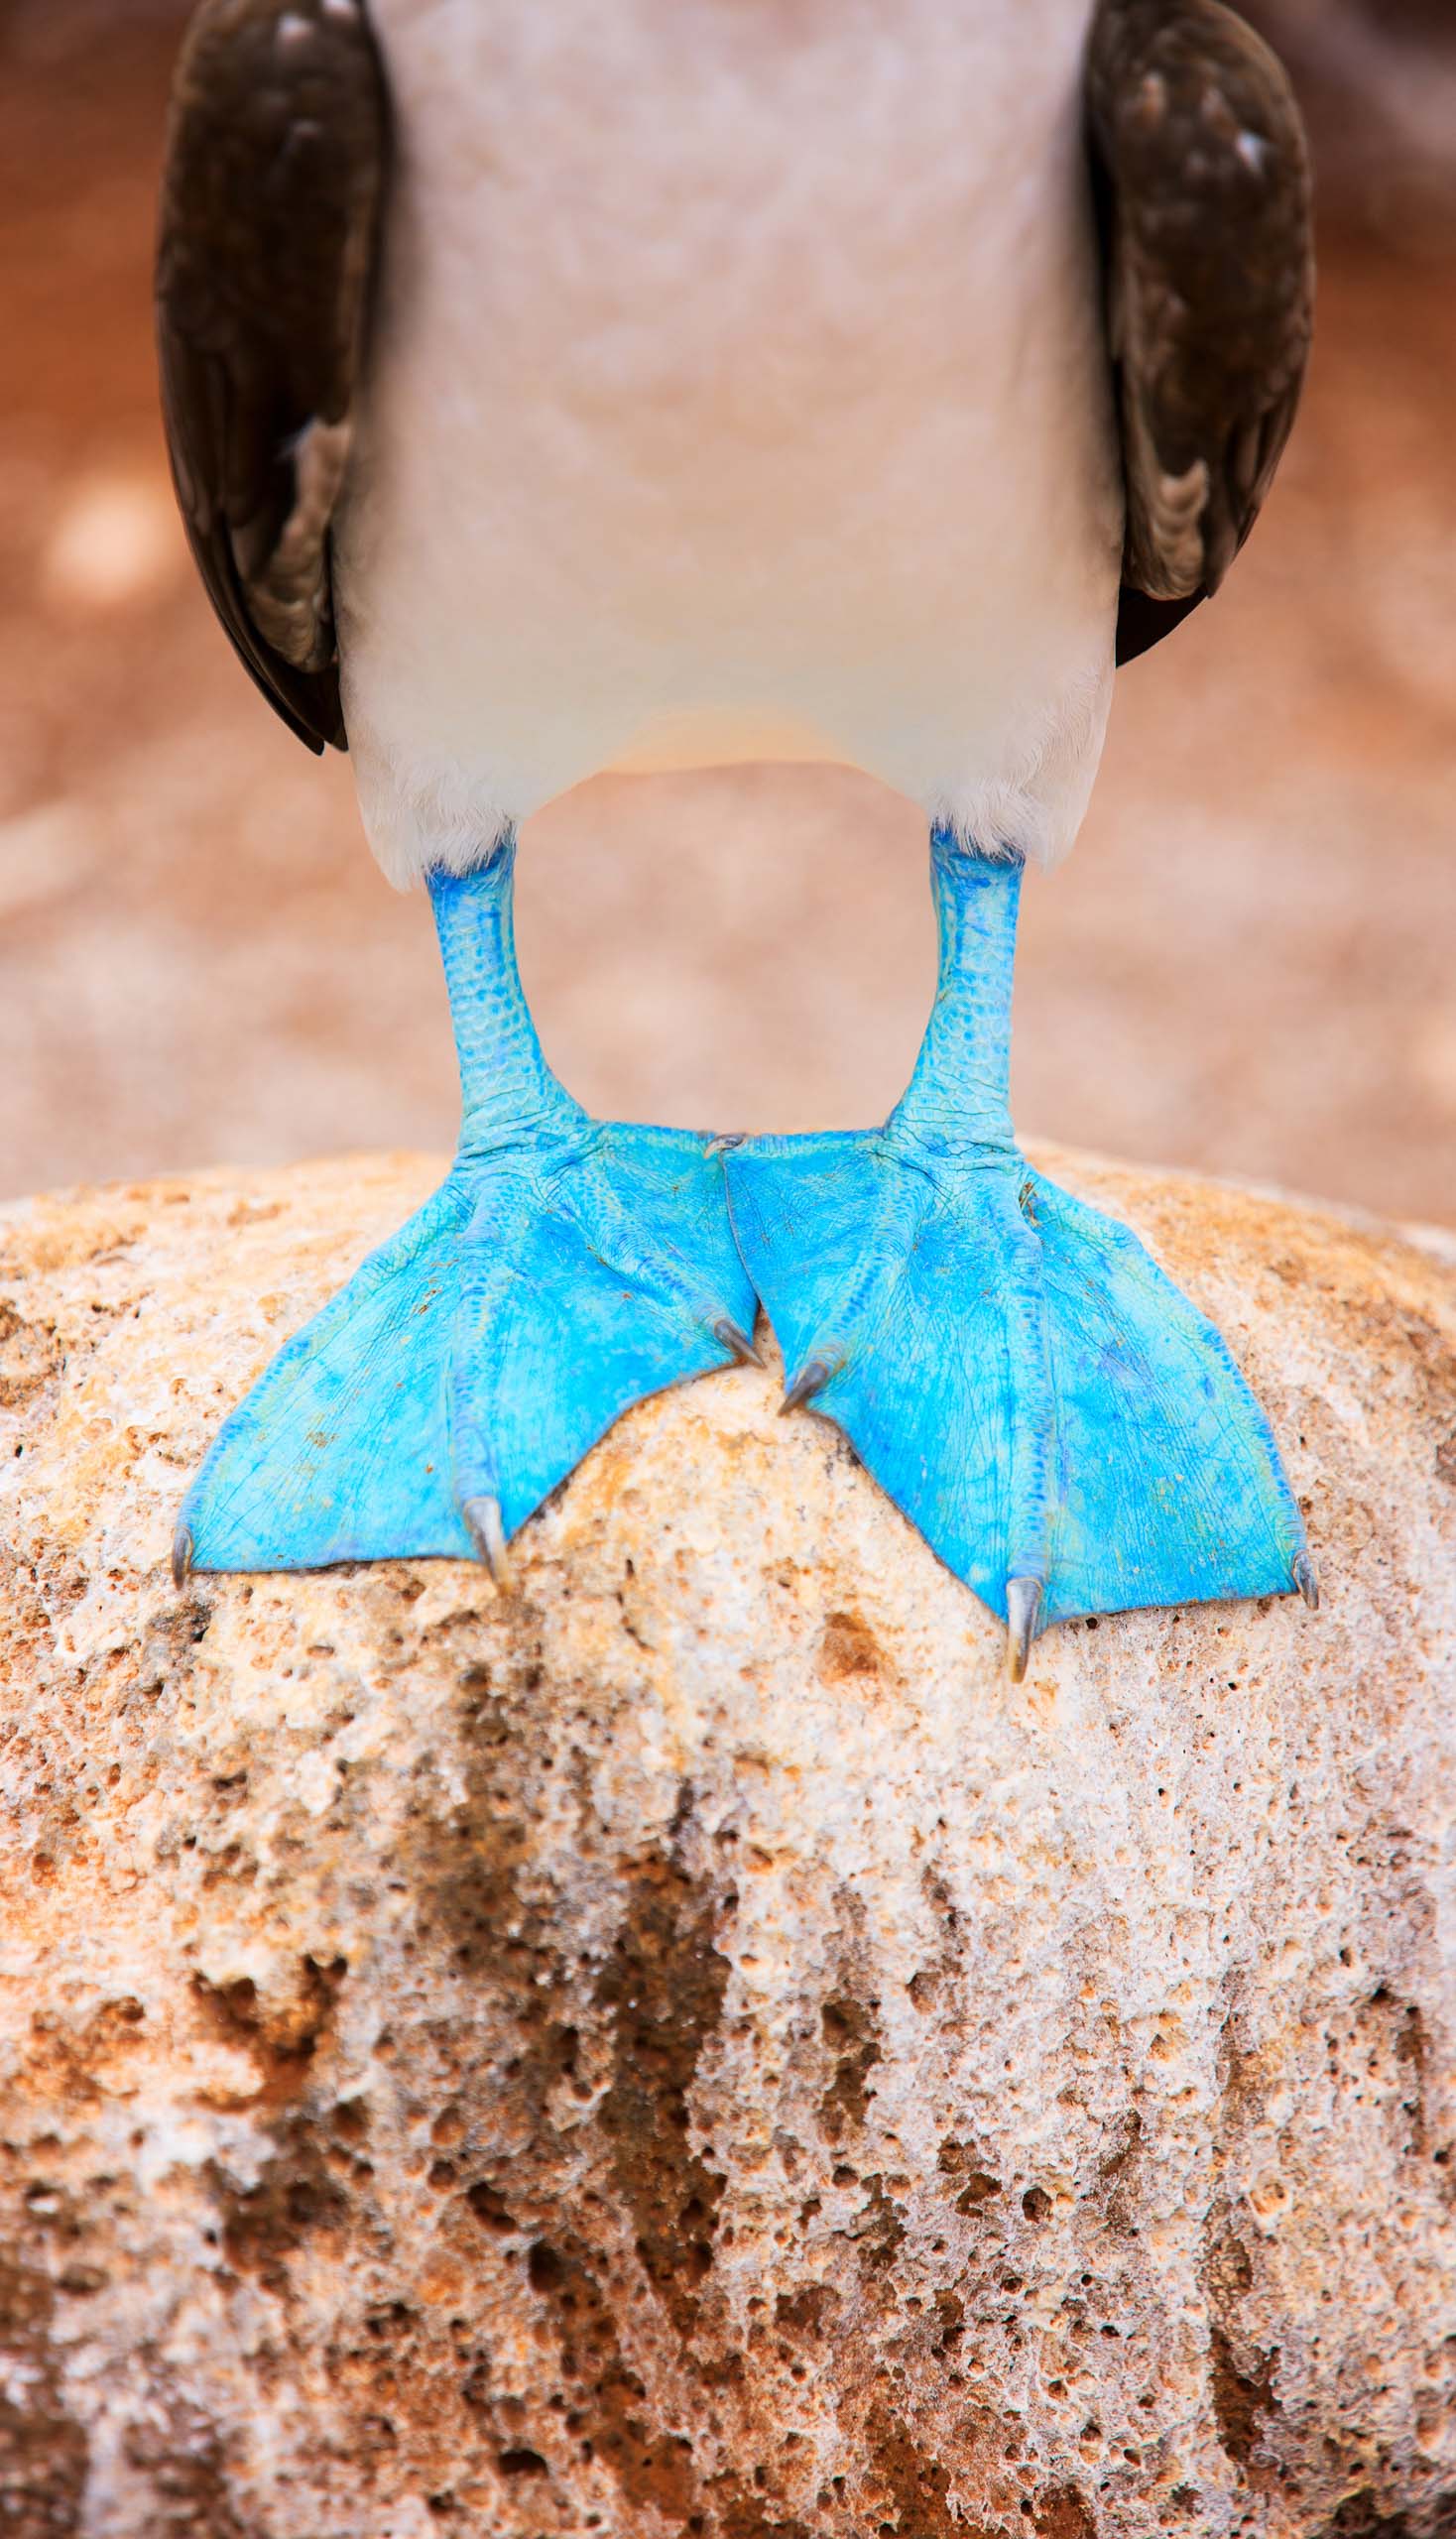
(566, 1267)
(1063, 1426)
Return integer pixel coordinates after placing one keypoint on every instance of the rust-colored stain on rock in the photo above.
(689, 2049)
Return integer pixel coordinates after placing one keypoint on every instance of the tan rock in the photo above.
(692, 2049)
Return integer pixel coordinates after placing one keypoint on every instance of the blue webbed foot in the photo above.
(1019, 1376)
(564, 1268)
(1070, 1436)
(476, 1358)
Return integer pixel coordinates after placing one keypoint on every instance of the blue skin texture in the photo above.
(1010, 1366)
(566, 1267)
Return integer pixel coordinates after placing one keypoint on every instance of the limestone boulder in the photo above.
(690, 2048)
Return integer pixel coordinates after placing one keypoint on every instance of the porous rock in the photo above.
(690, 2048)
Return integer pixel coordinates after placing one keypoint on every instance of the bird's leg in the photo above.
(566, 1267)
(1066, 1430)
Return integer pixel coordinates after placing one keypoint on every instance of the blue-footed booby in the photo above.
(554, 387)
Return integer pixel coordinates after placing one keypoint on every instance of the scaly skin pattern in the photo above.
(1016, 1373)
(566, 1267)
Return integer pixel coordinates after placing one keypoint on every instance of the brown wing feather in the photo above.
(1203, 184)
(275, 167)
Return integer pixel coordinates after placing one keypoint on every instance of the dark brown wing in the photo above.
(270, 208)
(1202, 178)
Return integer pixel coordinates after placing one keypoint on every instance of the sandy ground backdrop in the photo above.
(1246, 967)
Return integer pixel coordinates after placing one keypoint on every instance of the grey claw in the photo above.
(488, 1534)
(1306, 1579)
(811, 1378)
(736, 1339)
(181, 1555)
(1022, 1605)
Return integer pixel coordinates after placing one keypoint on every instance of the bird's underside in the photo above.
(290, 220)
(556, 389)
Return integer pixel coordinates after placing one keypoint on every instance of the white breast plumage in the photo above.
(737, 389)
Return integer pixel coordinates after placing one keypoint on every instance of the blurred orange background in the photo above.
(1246, 967)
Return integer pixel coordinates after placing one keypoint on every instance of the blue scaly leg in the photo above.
(564, 1268)
(1013, 1369)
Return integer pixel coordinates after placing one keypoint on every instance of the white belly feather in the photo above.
(737, 389)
